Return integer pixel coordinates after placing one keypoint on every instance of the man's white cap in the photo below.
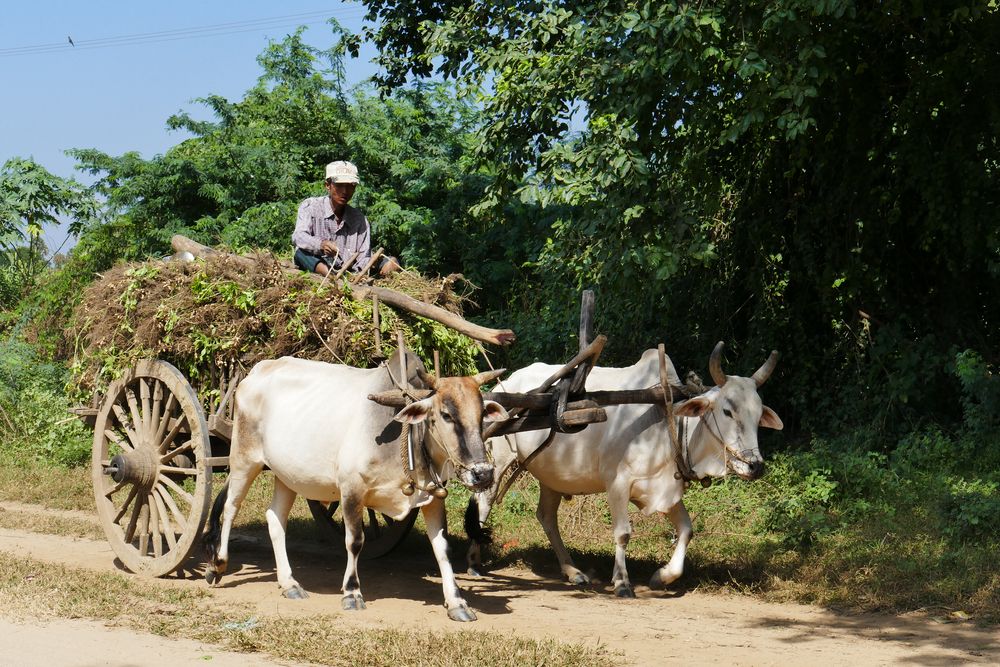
(341, 172)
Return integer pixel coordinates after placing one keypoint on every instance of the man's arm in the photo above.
(364, 244)
(303, 236)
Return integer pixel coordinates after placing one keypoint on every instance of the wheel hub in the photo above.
(139, 466)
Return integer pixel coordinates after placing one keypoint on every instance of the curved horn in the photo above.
(715, 364)
(764, 372)
(488, 376)
(427, 378)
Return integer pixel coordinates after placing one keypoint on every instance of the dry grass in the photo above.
(209, 317)
(29, 588)
(50, 524)
(54, 487)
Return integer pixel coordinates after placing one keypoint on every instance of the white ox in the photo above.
(632, 458)
(313, 425)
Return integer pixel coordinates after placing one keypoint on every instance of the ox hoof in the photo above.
(474, 572)
(352, 603)
(624, 592)
(461, 614)
(212, 577)
(296, 592)
(659, 582)
(580, 579)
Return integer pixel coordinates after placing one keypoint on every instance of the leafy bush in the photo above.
(35, 423)
(980, 393)
(801, 512)
(970, 509)
(266, 226)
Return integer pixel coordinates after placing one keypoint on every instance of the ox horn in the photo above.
(764, 372)
(427, 378)
(488, 376)
(715, 364)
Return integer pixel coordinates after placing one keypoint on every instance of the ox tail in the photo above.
(476, 531)
(213, 531)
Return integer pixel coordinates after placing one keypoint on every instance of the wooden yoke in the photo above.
(563, 415)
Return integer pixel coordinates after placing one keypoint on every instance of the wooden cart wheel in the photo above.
(382, 533)
(150, 470)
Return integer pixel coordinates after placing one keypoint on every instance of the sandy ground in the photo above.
(403, 590)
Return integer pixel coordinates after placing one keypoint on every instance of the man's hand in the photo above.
(328, 247)
(389, 266)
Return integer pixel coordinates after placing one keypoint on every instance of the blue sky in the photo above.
(116, 94)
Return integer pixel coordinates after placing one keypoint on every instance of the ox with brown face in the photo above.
(313, 425)
(454, 423)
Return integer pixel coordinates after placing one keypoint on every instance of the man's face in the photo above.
(340, 193)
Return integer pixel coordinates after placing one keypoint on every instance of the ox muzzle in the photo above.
(478, 476)
(748, 464)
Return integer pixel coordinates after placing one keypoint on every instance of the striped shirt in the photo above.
(317, 222)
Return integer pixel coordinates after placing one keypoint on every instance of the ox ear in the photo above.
(414, 413)
(494, 412)
(693, 407)
(770, 419)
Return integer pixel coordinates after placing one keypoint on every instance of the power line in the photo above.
(263, 22)
(214, 30)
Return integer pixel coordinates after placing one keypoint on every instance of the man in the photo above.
(328, 232)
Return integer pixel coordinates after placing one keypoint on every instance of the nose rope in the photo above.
(740, 455)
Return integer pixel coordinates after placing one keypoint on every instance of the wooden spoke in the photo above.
(133, 520)
(133, 409)
(126, 425)
(165, 417)
(186, 447)
(175, 470)
(155, 410)
(169, 500)
(169, 437)
(144, 529)
(115, 489)
(116, 438)
(165, 525)
(172, 485)
(125, 505)
(146, 407)
(154, 525)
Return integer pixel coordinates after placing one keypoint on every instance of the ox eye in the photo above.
(446, 417)
(727, 412)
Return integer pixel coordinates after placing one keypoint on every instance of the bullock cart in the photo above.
(157, 444)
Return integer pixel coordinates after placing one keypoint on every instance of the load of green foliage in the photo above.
(211, 318)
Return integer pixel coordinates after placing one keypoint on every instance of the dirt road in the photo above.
(656, 629)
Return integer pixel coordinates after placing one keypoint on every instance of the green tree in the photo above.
(814, 175)
(31, 197)
(242, 175)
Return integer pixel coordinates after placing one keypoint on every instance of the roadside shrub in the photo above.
(35, 424)
(970, 509)
(980, 394)
(801, 513)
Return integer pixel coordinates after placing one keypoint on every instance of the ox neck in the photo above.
(700, 446)
(439, 463)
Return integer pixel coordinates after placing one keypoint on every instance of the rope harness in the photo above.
(416, 464)
(682, 453)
